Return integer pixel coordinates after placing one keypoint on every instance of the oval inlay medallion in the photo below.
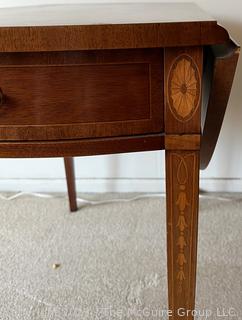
(184, 87)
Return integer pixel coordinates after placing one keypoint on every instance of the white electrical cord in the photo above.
(84, 202)
(98, 202)
(20, 194)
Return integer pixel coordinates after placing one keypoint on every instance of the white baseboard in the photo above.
(112, 185)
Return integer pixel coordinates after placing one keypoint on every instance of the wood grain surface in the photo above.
(182, 142)
(79, 95)
(219, 71)
(81, 147)
(91, 13)
(120, 36)
(71, 183)
(182, 176)
(183, 75)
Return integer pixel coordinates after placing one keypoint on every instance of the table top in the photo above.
(99, 14)
(107, 26)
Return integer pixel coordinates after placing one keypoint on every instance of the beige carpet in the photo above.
(112, 260)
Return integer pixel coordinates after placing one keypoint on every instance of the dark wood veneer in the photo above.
(46, 95)
(118, 36)
(219, 70)
(71, 183)
(78, 95)
(82, 147)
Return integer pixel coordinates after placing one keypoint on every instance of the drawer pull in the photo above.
(1, 97)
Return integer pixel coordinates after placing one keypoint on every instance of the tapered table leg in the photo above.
(182, 183)
(71, 185)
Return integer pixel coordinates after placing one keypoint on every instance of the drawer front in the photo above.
(81, 95)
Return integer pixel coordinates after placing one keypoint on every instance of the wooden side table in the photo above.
(100, 79)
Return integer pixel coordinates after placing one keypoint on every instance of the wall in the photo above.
(143, 171)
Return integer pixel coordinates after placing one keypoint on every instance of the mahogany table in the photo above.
(98, 79)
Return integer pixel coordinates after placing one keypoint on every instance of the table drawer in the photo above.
(48, 96)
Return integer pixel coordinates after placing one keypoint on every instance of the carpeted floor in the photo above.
(112, 260)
